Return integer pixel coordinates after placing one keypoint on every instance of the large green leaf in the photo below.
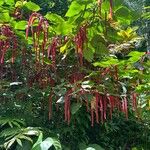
(54, 18)
(32, 6)
(56, 143)
(74, 9)
(39, 140)
(105, 6)
(88, 53)
(135, 56)
(21, 25)
(46, 144)
(107, 63)
(9, 2)
(1, 3)
(98, 43)
(4, 17)
(122, 12)
(123, 15)
(64, 28)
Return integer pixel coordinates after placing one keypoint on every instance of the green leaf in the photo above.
(39, 140)
(122, 12)
(87, 84)
(75, 107)
(19, 142)
(18, 4)
(88, 53)
(95, 147)
(21, 25)
(123, 15)
(10, 2)
(47, 61)
(8, 144)
(25, 138)
(107, 63)
(65, 47)
(105, 6)
(47, 143)
(90, 148)
(32, 6)
(98, 43)
(74, 9)
(4, 17)
(64, 28)
(56, 144)
(135, 56)
(54, 18)
(16, 124)
(1, 3)
(10, 124)
(30, 132)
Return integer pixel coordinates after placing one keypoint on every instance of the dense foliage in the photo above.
(73, 77)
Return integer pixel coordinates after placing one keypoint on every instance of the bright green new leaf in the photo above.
(107, 63)
(64, 48)
(135, 56)
(32, 6)
(64, 28)
(21, 25)
(54, 18)
(1, 3)
(9, 2)
(105, 6)
(4, 17)
(74, 9)
(20, 3)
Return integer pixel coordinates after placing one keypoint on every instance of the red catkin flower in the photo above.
(111, 105)
(101, 108)
(52, 51)
(125, 106)
(80, 40)
(8, 42)
(67, 106)
(97, 106)
(92, 117)
(134, 101)
(105, 106)
(42, 28)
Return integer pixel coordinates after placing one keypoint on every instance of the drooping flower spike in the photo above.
(41, 28)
